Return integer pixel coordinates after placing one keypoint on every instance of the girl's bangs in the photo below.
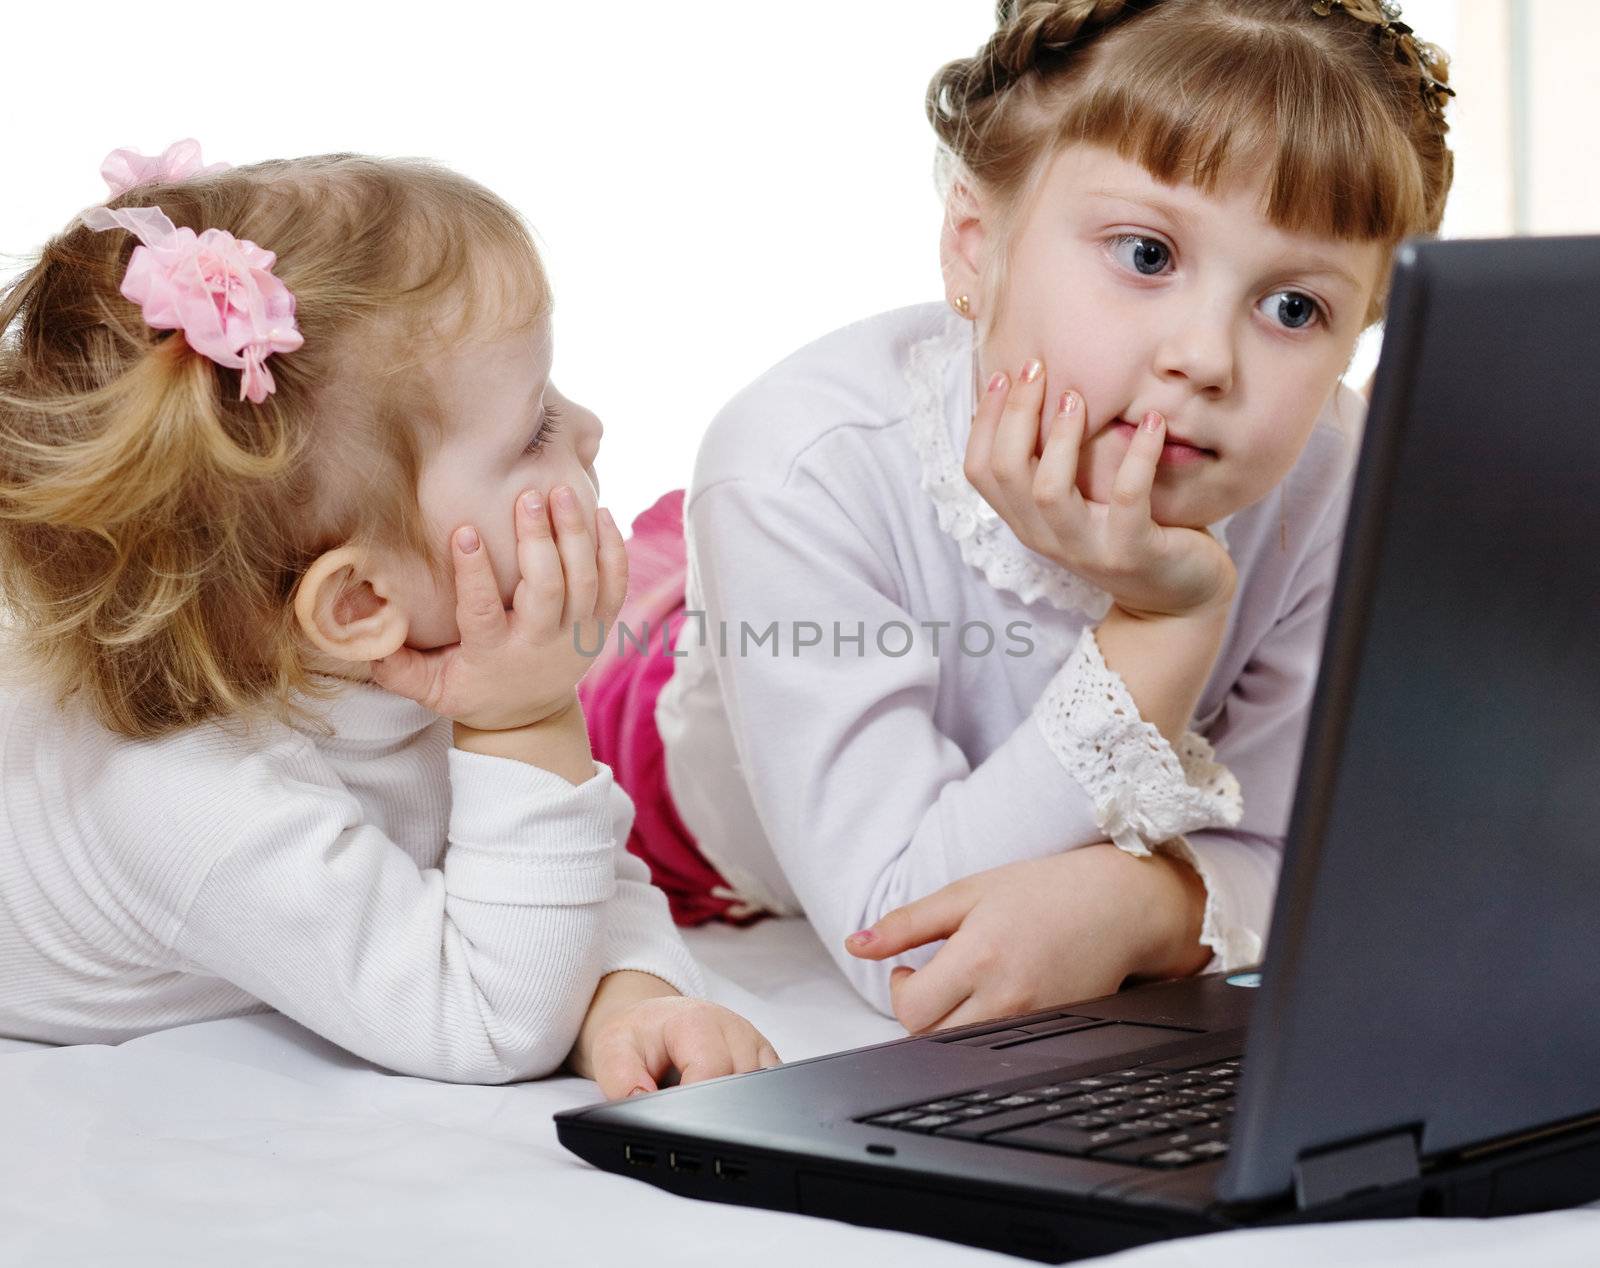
(1247, 103)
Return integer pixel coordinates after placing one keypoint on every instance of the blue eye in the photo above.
(1148, 256)
(1291, 309)
(548, 426)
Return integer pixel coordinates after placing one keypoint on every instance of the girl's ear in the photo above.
(961, 248)
(346, 607)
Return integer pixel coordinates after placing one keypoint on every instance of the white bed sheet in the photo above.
(252, 1141)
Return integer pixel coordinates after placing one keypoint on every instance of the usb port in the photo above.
(683, 1162)
(639, 1155)
(727, 1170)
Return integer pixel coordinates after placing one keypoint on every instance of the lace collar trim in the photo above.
(936, 371)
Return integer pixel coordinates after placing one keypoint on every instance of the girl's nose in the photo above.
(1200, 352)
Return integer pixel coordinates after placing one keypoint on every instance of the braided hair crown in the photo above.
(1335, 93)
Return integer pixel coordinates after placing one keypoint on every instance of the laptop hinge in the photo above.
(1338, 1171)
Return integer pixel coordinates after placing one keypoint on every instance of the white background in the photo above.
(714, 182)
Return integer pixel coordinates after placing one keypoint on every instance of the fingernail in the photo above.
(531, 503)
(862, 937)
(565, 499)
(1069, 402)
(1032, 370)
(467, 539)
(637, 1091)
(1153, 421)
(998, 381)
(606, 520)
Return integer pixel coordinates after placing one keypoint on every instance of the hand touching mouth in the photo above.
(1177, 451)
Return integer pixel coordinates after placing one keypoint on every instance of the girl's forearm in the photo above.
(1164, 661)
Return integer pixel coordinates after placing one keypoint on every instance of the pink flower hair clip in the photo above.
(127, 169)
(219, 290)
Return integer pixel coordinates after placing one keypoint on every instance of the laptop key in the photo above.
(928, 1122)
(1097, 1100)
(940, 1107)
(1124, 1113)
(1170, 1158)
(1057, 1138)
(1136, 1150)
(1097, 1082)
(1167, 1101)
(977, 1128)
(1206, 1115)
(893, 1119)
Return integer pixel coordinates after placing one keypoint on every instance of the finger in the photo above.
(938, 988)
(745, 1043)
(480, 615)
(613, 559)
(975, 1008)
(541, 587)
(626, 1066)
(1016, 438)
(768, 1056)
(980, 441)
(927, 920)
(1055, 481)
(700, 1052)
(409, 673)
(1128, 518)
(576, 545)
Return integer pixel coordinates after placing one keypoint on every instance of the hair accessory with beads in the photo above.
(219, 290)
(126, 169)
(1402, 41)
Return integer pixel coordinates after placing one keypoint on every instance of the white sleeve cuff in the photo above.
(1226, 928)
(525, 836)
(1144, 792)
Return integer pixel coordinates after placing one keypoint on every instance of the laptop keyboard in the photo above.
(1149, 1116)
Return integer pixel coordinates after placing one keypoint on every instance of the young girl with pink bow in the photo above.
(295, 530)
(998, 619)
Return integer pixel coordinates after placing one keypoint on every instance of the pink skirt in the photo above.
(619, 703)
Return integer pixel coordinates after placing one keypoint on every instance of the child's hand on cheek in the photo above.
(639, 1031)
(1147, 568)
(1040, 933)
(516, 668)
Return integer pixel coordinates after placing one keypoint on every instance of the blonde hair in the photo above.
(1337, 110)
(153, 527)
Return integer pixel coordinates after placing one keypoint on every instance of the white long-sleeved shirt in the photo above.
(437, 912)
(846, 779)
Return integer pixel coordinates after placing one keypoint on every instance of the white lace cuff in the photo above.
(1144, 791)
(1233, 945)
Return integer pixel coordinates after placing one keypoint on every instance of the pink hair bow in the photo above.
(125, 169)
(219, 290)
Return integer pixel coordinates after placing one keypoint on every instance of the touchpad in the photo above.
(1091, 1045)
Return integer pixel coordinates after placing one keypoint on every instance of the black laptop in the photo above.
(1424, 1036)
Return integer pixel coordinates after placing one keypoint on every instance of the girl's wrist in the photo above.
(1171, 906)
(558, 743)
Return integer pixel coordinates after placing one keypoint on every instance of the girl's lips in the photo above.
(1174, 453)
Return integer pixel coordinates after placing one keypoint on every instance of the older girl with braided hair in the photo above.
(1103, 485)
(293, 529)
